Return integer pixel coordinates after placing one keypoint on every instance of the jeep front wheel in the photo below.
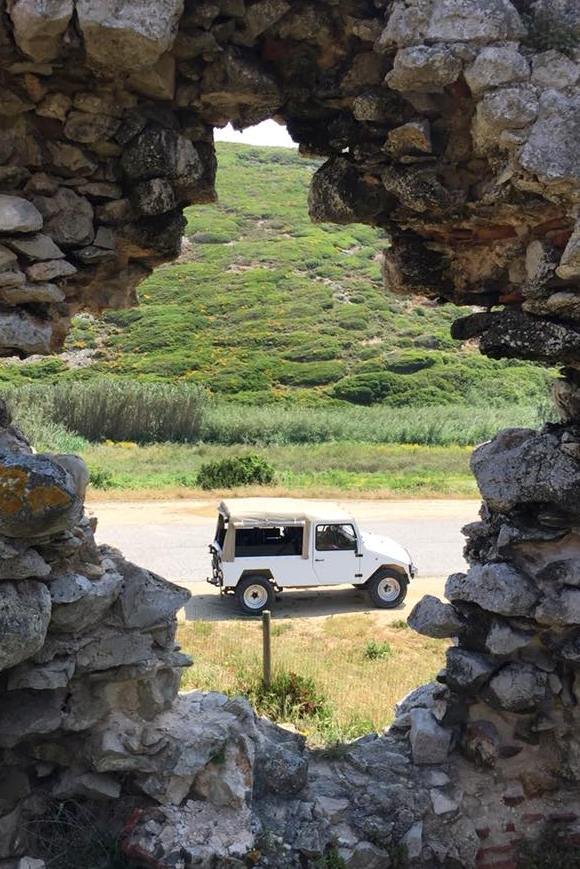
(387, 589)
(254, 594)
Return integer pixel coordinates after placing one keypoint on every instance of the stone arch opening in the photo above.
(452, 125)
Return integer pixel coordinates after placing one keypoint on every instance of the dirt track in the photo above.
(171, 538)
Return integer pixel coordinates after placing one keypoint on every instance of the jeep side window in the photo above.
(220, 534)
(330, 538)
(275, 540)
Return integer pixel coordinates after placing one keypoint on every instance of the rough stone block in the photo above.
(24, 616)
(433, 618)
(18, 215)
(430, 742)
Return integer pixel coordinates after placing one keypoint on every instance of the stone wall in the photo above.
(451, 124)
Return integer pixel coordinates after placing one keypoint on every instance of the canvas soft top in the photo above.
(278, 511)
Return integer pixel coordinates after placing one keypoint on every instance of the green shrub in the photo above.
(290, 697)
(330, 860)
(234, 472)
(101, 478)
(375, 651)
(309, 373)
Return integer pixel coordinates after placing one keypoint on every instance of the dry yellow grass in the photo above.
(361, 692)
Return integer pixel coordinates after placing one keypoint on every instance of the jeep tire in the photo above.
(387, 588)
(254, 595)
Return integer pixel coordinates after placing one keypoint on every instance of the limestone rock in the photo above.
(424, 68)
(569, 268)
(552, 69)
(29, 564)
(409, 139)
(26, 714)
(429, 741)
(196, 828)
(13, 441)
(39, 26)
(49, 270)
(550, 152)
(24, 618)
(416, 188)
(467, 671)
(70, 160)
(503, 109)
(68, 217)
(146, 599)
(46, 677)
(497, 587)
(495, 66)
(451, 21)
(54, 105)
(260, 16)
(339, 194)
(79, 603)
(88, 128)
(11, 278)
(518, 334)
(18, 215)
(37, 497)
(545, 474)
(121, 39)
(517, 687)
(26, 293)
(158, 81)
(22, 333)
(433, 618)
(441, 803)
(154, 196)
(108, 648)
(465, 21)
(77, 470)
(8, 259)
(559, 608)
(91, 785)
(281, 762)
(159, 153)
(502, 639)
(35, 247)
(365, 855)
(413, 840)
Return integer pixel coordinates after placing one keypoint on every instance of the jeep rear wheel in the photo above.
(254, 594)
(387, 589)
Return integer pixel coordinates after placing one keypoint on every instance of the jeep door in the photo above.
(335, 553)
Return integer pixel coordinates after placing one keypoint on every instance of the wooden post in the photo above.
(267, 648)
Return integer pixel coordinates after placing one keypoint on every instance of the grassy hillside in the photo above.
(264, 306)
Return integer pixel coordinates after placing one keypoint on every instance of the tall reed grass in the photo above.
(121, 410)
(118, 410)
(434, 426)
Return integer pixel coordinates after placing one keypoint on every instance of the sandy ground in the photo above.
(172, 538)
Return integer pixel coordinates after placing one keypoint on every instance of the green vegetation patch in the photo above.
(265, 307)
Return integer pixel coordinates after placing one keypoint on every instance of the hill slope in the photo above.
(263, 306)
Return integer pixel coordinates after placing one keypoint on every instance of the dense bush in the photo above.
(234, 472)
(309, 373)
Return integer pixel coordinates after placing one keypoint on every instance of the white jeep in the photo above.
(264, 545)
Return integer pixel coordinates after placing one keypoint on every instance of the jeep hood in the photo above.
(376, 544)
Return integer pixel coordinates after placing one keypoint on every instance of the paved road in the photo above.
(171, 538)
